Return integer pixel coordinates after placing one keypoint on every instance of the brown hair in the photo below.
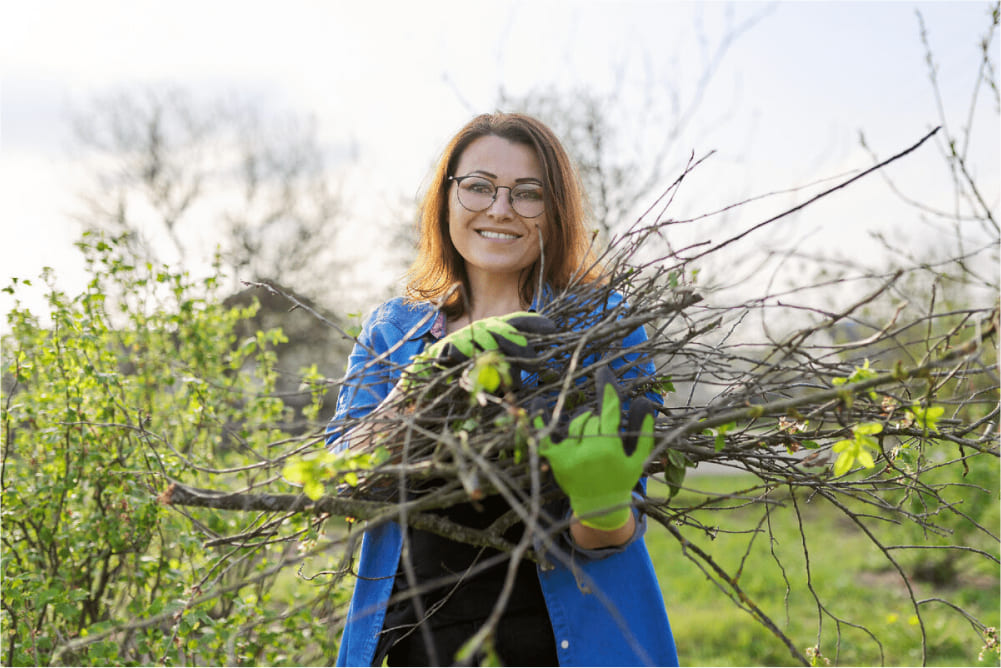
(566, 244)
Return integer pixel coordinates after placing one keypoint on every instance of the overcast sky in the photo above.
(785, 105)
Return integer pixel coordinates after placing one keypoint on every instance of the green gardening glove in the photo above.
(596, 465)
(505, 334)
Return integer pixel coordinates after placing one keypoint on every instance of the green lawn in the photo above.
(849, 576)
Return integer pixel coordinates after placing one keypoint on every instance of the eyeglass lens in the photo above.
(477, 194)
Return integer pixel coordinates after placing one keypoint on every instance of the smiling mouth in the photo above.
(497, 235)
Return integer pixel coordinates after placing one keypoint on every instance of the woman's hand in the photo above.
(365, 435)
(589, 538)
(505, 334)
(598, 467)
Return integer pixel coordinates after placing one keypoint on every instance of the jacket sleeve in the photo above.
(637, 368)
(369, 378)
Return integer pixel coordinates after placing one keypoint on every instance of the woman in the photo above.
(503, 190)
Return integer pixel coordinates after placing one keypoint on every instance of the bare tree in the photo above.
(965, 255)
(625, 141)
(184, 179)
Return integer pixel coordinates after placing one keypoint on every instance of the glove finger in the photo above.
(638, 411)
(512, 349)
(451, 356)
(483, 337)
(578, 423)
(609, 401)
(533, 324)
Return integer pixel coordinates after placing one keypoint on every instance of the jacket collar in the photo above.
(541, 299)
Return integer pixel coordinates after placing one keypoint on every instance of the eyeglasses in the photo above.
(478, 194)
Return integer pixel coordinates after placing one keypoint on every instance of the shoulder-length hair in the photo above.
(566, 245)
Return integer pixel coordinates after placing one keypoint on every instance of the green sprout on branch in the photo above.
(857, 448)
(926, 417)
(719, 434)
(861, 373)
(489, 373)
(314, 471)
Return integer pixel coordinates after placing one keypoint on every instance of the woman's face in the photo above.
(497, 243)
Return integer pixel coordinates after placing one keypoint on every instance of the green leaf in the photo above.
(844, 463)
(675, 478)
(866, 441)
(865, 459)
(469, 424)
(927, 417)
(677, 459)
(841, 446)
(663, 385)
(866, 428)
(295, 471)
(313, 489)
(488, 378)
(857, 448)
(861, 373)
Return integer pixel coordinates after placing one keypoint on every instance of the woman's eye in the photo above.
(528, 195)
(480, 187)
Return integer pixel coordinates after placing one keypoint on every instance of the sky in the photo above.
(784, 107)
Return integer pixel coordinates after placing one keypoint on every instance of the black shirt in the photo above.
(456, 609)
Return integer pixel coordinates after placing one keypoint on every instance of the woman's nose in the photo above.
(501, 206)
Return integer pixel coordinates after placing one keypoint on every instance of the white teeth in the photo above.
(497, 235)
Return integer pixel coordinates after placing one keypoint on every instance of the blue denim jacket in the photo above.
(610, 612)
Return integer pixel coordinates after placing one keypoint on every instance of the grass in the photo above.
(850, 577)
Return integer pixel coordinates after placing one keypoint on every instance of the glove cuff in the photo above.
(614, 519)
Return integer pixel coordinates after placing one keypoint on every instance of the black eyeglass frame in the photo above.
(510, 195)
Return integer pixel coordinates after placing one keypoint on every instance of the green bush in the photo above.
(137, 381)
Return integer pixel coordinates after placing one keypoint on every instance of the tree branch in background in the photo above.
(212, 177)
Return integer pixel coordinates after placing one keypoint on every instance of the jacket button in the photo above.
(565, 644)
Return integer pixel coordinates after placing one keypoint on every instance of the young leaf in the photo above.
(845, 461)
(927, 417)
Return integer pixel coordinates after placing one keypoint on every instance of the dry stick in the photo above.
(182, 495)
(821, 607)
(171, 615)
(875, 541)
(813, 199)
(274, 502)
(782, 406)
(742, 599)
(299, 304)
(793, 342)
(179, 494)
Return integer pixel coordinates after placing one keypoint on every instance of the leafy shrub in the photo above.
(137, 381)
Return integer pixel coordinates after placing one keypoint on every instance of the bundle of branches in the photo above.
(859, 423)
